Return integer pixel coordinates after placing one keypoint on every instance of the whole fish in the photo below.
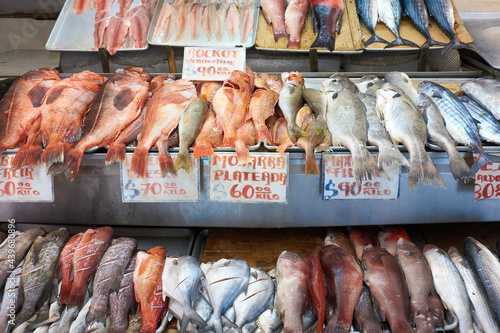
(181, 280)
(162, 117)
(458, 120)
(274, 12)
(483, 311)
(439, 135)
(344, 284)
(337, 82)
(63, 111)
(118, 104)
(403, 81)
(360, 239)
(207, 89)
(368, 11)
(38, 272)
(316, 287)
(210, 136)
(30, 153)
(388, 153)
(327, 21)
(417, 12)
(295, 17)
(486, 263)
(19, 107)
(487, 125)
(317, 101)
(405, 124)
(249, 304)
(486, 92)
(23, 242)
(340, 239)
(65, 270)
(262, 107)
(225, 279)
(246, 22)
(108, 277)
(366, 320)
(122, 301)
(290, 102)
(189, 126)
(158, 308)
(10, 299)
(388, 238)
(442, 11)
(389, 13)
(418, 277)
(348, 126)
(273, 80)
(292, 295)
(383, 275)
(369, 84)
(280, 135)
(450, 286)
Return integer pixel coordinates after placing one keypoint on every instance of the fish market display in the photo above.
(274, 12)
(368, 12)
(327, 22)
(369, 84)
(262, 107)
(210, 136)
(417, 12)
(486, 92)
(389, 13)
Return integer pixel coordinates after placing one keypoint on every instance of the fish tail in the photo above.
(295, 132)
(93, 317)
(324, 40)
(242, 152)
(26, 312)
(333, 327)
(67, 319)
(116, 153)
(389, 156)
(72, 164)
(423, 172)
(279, 35)
(27, 155)
(139, 162)
(456, 44)
(459, 168)
(430, 42)
(375, 39)
(229, 140)
(400, 41)
(482, 160)
(54, 153)
(166, 164)
(363, 165)
(295, 43)
(189, 316)
(202, 149)
(263, 135)
(311, 164)
(182, 161)
(282, 147)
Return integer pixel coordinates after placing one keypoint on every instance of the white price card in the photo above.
(155, 188)
(263, 180)
(28, 184)
(339, 182)
(212, 64)
(487, 181)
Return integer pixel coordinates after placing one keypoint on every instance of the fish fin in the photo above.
(400, 41)
(54, 152)
(202, 149)
(459, 168)
(295, 132)
(27, 155)
(242, 152)
(423, 172)
(181, 161)
(116, 153)
(334, 327)
(364, 165)
(311, 164)
(138, 164)
(293, 43)
(315, 22)
(375, 39)
(322, 147)
(338, 26)
(263, 135)
(166, 163)
(2, 148)
(430, 42)
(37, 93)
(189, 316)
(456, 44)
(324, 40)
(282, 147)
(482, 160)
(390, 156)
(72, 164)
(279, 35)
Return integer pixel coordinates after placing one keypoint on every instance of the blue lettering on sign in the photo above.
(330, 187)
(130, 186)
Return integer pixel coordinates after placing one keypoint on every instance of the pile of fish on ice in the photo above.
(127, 29)
(235, 17)
(69, 116)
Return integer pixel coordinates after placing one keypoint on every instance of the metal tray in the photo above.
(202, 38)
(461, 148)
(131, 149)
(485, 29)
(333, 149)
(76, 32)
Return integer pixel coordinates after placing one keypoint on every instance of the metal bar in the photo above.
(103, 57)
(171, 59)
(422, 61)
(313, 60)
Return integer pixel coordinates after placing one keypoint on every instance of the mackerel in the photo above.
(487, 125)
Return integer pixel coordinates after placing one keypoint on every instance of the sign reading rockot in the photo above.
(212, 64)
(155, 188)
(263, 180)
(339, 182)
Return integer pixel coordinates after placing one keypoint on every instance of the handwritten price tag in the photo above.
(487, 183)
(339, 182)
(28, 184)
(155, 188)
(263, 180)
(212, 64)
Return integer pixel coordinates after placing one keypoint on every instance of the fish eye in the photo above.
(396, 96)
(335, 95)
(369, 84)
(334, 80)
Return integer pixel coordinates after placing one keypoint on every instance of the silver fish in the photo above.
(483, 312)
(348, 126)
(486, 263)
(181, 281)
(10, 299)
(486, 92)
(369, 84)
(291, 101)
(450, 286)
(487, 125)
(438, 134)
(388, 154)
(78, 325)
(368, 11)
(405, 124)
(459, 122)
(122, 301)
(224, 281)
(337, 82)
(403, 81)
(389, 13)
(269, 321)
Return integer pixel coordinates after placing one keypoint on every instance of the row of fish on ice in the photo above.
(288, 17)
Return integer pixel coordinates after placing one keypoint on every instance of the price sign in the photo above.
(212, 64)
(487, 182)
(28, 184)
(263, 180)
(339, 182)
(156, 188)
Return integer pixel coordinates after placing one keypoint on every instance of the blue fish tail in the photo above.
(456, 44)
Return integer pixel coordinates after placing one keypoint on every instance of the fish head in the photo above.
(369, 84)
(42, 74)
(397, 78)
(457, 257)
(331, 85)
(372, 258)
(466, 87)
(238, 80)
(431, 249)
(294, 78)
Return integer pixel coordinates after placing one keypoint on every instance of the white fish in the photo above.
(208, 19)
(220, 22)
(182, 20)
(232, 22)
(246, 22)
(194, 19)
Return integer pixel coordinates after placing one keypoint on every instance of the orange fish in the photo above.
(29, 154)
(210, 136)
(280, 135)
(230, 105)
(162, 117)
(158, 304)
(246, 138)
(19, 107)
(389, 236)
(147, 278)
(262, 107)
(63, 110)
(207, 90)
(273, 81)
(65, 270)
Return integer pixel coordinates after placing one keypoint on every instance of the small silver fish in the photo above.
(369, 84)
(486, 92)
(403, 81)
(487, 125)
(291, 101)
